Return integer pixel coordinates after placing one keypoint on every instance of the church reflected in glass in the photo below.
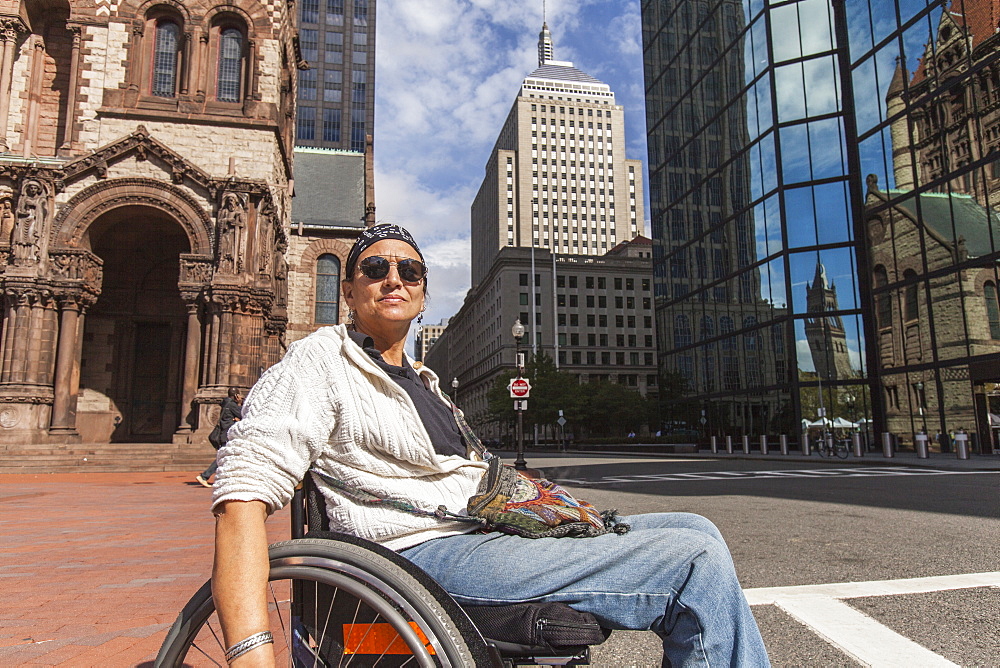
(823, 182)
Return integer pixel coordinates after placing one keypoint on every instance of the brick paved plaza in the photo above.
(95, 567)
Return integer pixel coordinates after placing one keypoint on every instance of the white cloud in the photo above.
(625, 30)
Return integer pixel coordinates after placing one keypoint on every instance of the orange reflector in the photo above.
(379, 639)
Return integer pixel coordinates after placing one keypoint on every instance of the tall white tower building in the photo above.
(557, 177)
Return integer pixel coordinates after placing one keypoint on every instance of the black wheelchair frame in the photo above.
(339, 600)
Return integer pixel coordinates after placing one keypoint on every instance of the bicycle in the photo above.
(834, 448)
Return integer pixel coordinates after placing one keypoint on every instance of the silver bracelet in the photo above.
(247, 644)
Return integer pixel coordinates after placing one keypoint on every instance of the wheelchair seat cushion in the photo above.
(537, 624)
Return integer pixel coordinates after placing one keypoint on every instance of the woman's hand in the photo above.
(239, 577)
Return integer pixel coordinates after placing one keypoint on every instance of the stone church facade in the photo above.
(145, 163)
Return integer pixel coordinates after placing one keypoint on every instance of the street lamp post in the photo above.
(920, 405)
(518, 332)
(454, 391)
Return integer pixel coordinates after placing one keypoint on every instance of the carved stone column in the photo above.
(34, 94)
(192, 349)
(195, 80)
(74, 73)
(185, 69)
(67, 381)
(9, 31)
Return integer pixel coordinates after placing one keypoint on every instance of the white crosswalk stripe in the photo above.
(847, 472)
(821, 608)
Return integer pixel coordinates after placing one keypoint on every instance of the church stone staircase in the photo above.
(106, 457)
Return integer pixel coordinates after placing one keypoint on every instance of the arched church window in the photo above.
(165, 47)
(911, 309)
(228, 85)
(327, 290)
(883, 302)
(992, 309)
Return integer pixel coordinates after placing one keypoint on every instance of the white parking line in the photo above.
(872, 643)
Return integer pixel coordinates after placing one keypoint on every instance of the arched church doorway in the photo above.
(133, 343)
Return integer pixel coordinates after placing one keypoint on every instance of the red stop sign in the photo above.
(519, 388)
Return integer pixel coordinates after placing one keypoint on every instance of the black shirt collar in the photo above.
(367, 344)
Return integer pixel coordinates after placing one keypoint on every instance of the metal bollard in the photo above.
(962, 444)
(746, 444)
(887, 445)
(763, 444)
(856, 441)
(829, 443)
(805, 444)
(729, 445)
(715, 445)
(921, 445)
(784, 444)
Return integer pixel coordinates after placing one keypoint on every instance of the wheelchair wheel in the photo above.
(337, 603)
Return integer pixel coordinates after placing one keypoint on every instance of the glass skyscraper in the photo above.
(773, 251)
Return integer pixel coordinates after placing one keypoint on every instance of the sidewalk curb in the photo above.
(974, 463)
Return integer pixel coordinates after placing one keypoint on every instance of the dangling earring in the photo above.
(350, 318)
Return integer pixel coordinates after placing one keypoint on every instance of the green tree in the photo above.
(609, 409)
(551, 391)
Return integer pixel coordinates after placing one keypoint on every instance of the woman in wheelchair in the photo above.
(348, 403)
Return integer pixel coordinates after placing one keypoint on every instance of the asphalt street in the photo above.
(845, 563)
(795, 523)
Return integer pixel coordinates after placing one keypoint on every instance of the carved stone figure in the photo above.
(231, 228)
(6, 214)
(31, 215)
(280, 276)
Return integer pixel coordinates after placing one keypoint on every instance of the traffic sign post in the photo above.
(519, 388)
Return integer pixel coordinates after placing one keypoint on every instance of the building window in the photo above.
(360, 12)
(307, 84)
(682, 331)
(310, 11)
(306, 123)
(911, 309)
(883, 302)
(358, 88)
(334, 12)
(332, 82)
(331, 125)
(165, 48)
(230, 65)
(333, 48)
(992, 309)
(309, 44)
(327, 290)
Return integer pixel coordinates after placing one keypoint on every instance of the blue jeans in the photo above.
(671, 574)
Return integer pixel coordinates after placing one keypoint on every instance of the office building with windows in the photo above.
(762, 121)
(557, 176)
(427, 336)
(593, 316)
(336, 90)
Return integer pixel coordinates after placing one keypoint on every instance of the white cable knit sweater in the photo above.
(329, 406)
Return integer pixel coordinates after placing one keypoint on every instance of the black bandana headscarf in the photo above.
(373, 235)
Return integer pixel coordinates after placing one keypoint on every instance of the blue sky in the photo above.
(447, 73)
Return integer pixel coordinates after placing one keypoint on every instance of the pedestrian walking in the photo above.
(228, 416)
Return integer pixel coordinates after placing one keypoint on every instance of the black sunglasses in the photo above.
(376, 268)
